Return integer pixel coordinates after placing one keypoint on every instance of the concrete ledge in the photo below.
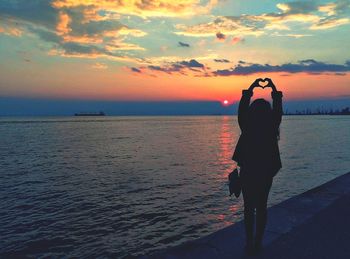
(282, 219)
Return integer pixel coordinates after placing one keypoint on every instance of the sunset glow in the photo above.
(225, 103)
(173, 50)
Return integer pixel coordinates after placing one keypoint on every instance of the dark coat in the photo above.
(256, 153)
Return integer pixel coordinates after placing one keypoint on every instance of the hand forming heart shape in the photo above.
(263, 83)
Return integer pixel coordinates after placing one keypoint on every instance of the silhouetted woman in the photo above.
(258, 156)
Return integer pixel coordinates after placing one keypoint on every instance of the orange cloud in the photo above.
(93, 54)
(94, 37)
(133, 32)
(85, 39)
(225, 25)
(254, 25)
(330, 8)
(142, 8)
(62, 26)
(235, 40)
(100, 66)
(11, 30)
(119, 45)
(305, 12)
(91, 14)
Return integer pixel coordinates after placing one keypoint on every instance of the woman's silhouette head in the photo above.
(260, 107)
(260, 119)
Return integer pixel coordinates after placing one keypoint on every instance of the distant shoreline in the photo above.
(344, 111)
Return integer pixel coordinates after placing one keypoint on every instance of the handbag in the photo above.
(234, 183)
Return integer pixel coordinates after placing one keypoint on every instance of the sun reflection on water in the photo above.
(228, 135)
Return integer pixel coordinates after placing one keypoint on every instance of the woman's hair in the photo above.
(261, 118)
(260, 107)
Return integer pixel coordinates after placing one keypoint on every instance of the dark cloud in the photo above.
(166, 69)
(135, 69)
(309, 66)
(80, 27)
(222, 60)
(182, 44)
(192, 63)
(220, 36)
(342, 6)
(256, 22)
(300, 7)
(41, 12)
(179, 67)
(155, 67)
(45, 35)
(72, 48)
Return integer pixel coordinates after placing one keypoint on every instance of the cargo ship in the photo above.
(90, 114)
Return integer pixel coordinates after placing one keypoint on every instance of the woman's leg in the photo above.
(249, 222)
(249, 217)
(261, 212)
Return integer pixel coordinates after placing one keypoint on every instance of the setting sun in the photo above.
(225, 102)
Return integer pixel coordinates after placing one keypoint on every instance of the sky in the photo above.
(165, 50)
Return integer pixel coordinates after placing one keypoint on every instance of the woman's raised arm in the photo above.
(276, 102)
(244, 103)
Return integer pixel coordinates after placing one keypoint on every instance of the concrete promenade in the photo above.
(314, 224)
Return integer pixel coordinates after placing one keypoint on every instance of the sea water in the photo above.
(127, 186)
